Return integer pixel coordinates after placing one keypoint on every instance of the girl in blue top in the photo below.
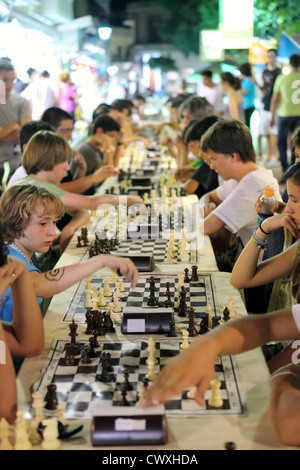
(28, 216)
(248, 91)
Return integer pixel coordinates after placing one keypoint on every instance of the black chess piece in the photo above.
(152, 302)
(124, 401)
(79, 245)
(172, 333)
(73, 334)
(85, 359)
(51, 398)
(108, 323)
(127, 385)
(92, 352)
(106, 356)
(215, 321)
(182, 310)
(204, 324)
(194, 277)
(186, 276)
(89, 322)
(226, 314)
(191, 328)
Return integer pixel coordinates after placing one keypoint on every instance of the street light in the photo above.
(104, 34)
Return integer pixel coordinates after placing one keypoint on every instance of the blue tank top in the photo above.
(6, 312)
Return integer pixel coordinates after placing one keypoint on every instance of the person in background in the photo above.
(248, 91)
(68, 97)
(270, 73)
(41, 94)
(212, 92)
(231, 86)
(285, 97)
(13, 114)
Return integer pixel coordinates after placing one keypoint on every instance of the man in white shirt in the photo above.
(212, 92)
(229, 145)
(41, 95)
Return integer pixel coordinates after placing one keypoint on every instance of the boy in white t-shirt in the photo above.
(229, 146)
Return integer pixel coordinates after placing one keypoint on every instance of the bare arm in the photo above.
(8, 389)
(80, 185)
(285, 404)
(195, 366)
(247, 272)
(77, 201)
(79, 219)
(55, 281)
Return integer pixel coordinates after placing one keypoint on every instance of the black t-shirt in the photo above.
(207, 179)
(269, 77)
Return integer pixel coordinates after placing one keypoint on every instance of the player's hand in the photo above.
(123, 265)
(103, 173)
(136, 203)
(281, 220)
(206, 209)
(193, 367)
(80, 161)
(10, 272)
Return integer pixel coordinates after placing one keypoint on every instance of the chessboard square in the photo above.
(81, 387)
(137, 292)
(62, 397)
(219, 368)
(189, 404)
(77, 407)
(133, 375)
(62, 371)
(100, 387)
(110, 376)
(84, 378)
(104, 395)
(75, 397)
(61, 379)
(131, 354)
(87, 369)
(112, 347)
(131, 397)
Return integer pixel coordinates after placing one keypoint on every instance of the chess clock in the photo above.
(129, 430)
(146, 320)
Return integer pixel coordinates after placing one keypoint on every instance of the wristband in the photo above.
(260, 243)
(266, 233)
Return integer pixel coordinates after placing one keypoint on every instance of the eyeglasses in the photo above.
(66, 131)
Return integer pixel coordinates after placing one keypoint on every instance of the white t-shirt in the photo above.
(19, 174)
(237, 210)
(214, 96)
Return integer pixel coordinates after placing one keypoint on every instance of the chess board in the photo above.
(79, 387)
(158, 249)
(199, 295)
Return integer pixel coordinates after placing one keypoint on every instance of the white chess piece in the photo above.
(50, 435)
(185, 344)
(4, 435)
(215, 400)
(106, 289)
(117, 308)
(22, 441)
(101, 302)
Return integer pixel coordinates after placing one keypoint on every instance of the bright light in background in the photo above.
(113, 70)
(104, 33)
(286, 70)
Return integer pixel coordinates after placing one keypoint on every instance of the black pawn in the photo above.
(192, 329)
(172, 333)
(186, 276)
(127, 385)
(124, 401)
(204, 325)
(85, 359)
(215, 321)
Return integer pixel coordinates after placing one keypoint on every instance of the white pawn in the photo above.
(192, 392)
(117, 308)
(215, 400)
(38, 406)
(185, 344)
(4, 435)
(101, 302)
(113, 277)
(50, 435)
(151, 363)
(61, 410)
(121, 287)
(208, 311)
(22, 441)
(106, 290)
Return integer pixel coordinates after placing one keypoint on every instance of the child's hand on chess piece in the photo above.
(194, 367)
(124, 265)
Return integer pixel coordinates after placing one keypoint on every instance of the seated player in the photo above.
(25, 336)
(228, 144)
(79, 185)
(249, 271)
(196, 366)
(104, 145)
(28, 216)
(203, 180)
(46, 160)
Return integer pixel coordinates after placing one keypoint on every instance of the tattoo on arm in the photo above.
(55, 274)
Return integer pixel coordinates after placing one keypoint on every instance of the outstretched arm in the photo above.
(55, 281)
(195, 366)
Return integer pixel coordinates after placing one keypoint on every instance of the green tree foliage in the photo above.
(271, 18)
(182, 24)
